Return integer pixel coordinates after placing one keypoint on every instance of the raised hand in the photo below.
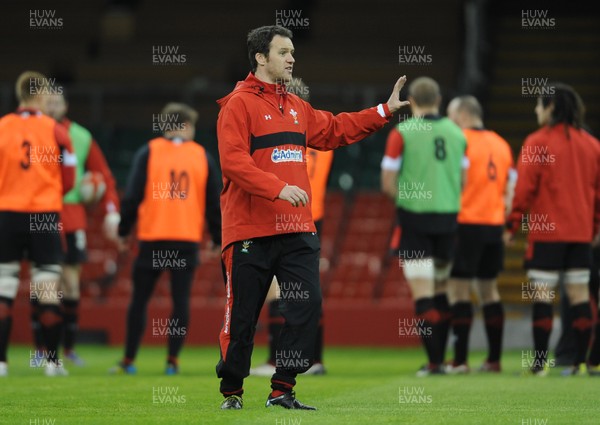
(394, 103)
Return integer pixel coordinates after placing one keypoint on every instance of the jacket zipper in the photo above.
(281, 105)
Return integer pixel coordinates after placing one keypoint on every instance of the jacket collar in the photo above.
(263, 87)
(253, 85)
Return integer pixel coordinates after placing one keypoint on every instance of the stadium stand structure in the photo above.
(104, 56)
(365, 293)
(354, 250)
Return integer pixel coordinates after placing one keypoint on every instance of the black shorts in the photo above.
(76, 244)
(558, 256)
(167, 255)
(426, 235)
(479, 252)
(430, 223)
(35, 237)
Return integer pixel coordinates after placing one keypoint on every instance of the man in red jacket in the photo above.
(268, 229)
(557, 201)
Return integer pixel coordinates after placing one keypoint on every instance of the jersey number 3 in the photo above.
(26, 163)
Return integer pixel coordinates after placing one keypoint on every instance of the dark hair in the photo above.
(568, 106)
(259, 41)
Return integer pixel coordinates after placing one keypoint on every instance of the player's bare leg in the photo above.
(493, 315)
(70, 284)
(576, 285)
(9, 284)
(459, 296)
(420, 277)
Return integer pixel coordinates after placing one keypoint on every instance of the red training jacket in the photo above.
(263, 132)
(557, 197)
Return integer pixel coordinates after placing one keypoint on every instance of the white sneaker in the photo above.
(3, 369)
(266, 369)
(53, 369)
(316, 369)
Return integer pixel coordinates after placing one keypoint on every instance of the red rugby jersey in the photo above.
(557, 196)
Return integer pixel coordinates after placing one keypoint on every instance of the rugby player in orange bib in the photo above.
(173, 184)
(318, 164)
(37, 167)
(479, 255)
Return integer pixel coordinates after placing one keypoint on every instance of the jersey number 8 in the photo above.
(440, 148)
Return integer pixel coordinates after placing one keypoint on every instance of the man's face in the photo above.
(280, 62)
(55, 106)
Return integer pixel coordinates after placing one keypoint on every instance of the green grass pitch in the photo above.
(363, 386)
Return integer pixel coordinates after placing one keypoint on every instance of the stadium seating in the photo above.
(355, 242)
(359, 276)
